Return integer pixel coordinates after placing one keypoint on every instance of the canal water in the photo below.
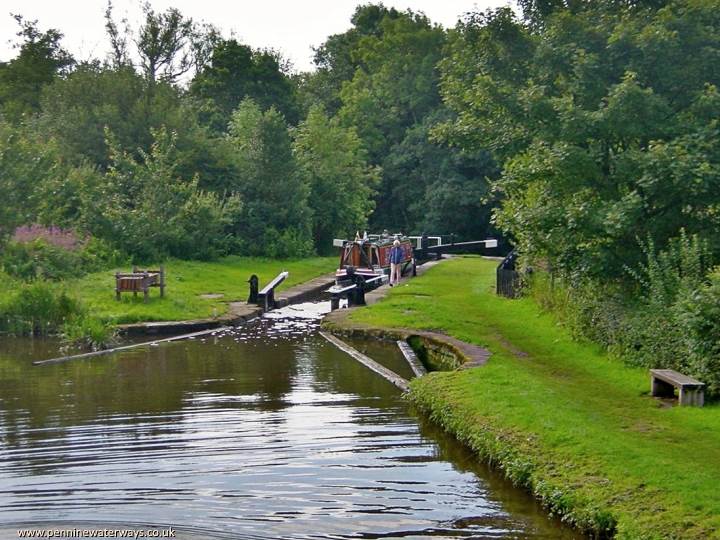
(263, 432)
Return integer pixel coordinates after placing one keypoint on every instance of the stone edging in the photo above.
(457, 354)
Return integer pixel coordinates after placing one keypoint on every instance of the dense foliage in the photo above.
(603, 117)
(185, 143)
(585, 132)
(605, 121)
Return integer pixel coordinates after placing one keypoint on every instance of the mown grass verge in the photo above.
(186, 282)
(562, 418)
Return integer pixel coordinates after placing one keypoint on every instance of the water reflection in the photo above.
(264, 432)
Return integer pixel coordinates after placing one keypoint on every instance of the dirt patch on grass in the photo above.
(512, 348)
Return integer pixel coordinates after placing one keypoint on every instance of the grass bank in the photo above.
(562, 418)
(187, 284)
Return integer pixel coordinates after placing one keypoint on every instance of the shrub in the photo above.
(683, 265)
(699, 316)
(98, 254)
(204, 221)
(88, 332)
(291, 243)
(42, 308)
(38, 308)
(41, 259)
(587, 308)
(670, 319)
(150, 211)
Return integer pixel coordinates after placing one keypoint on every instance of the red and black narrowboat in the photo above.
(365, 264)
(369, 257)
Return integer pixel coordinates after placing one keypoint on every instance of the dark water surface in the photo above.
(265, 432)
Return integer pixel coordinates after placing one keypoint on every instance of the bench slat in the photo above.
(673, 377)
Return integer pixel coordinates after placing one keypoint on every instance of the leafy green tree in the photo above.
(78, 108)
(164, 44)
(119, 37)
(276, 219)
(333, 162)
(395, 85)
(148, 211)
(67, 195)
(536, 12)
(40, 60)
(25, 164)
(439, 189)
(235, 72)
(383, 70)
(604, 119)
(337, 59)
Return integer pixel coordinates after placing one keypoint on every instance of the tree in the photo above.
(337, 60)
(333, 163)
(235, 72)
(439, 189)
(395, 85)
(604, 120)
(25, 164)
(536, 12)
(164, 44)
(40, 60)
(384, 72)
(78, 108)
(146, 209)
(119, 56)
(276, 219)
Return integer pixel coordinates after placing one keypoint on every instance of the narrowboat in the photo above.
(368, 257)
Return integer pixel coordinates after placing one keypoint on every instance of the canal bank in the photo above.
(263, 431)
(576, 428)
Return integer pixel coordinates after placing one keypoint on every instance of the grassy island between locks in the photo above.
(194, 289)
(562, 418)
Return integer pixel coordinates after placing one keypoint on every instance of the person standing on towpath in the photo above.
(396, 257)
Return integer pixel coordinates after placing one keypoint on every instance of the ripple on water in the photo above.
(263, 431)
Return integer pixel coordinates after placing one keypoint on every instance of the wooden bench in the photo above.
(266, 297)
(139, 281)
(664, 381)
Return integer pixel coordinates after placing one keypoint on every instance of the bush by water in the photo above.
(42, 308)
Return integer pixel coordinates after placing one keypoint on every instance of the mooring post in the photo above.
(254, 282)
(359, 293)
